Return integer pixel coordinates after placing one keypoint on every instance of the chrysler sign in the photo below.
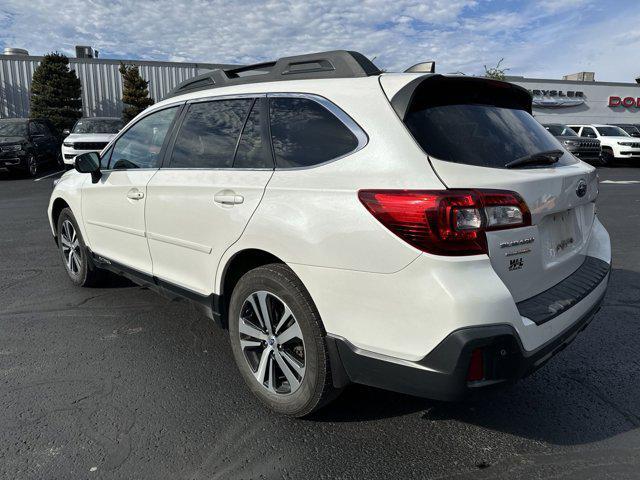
(556, 98)
(628, 102)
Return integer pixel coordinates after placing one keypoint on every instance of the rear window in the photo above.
(476, 122)
(481, 135)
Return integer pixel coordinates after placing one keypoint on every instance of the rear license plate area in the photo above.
(561, 235)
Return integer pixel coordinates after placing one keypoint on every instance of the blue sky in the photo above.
(537, 38)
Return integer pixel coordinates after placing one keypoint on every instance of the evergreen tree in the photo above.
(56, 92)
(135, 92)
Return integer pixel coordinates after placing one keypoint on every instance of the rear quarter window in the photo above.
(304, 133)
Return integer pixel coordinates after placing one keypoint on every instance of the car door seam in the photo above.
(264, 190)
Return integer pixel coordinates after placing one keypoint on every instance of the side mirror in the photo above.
(66, 132)
(89, 163)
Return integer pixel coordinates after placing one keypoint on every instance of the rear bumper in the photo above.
(442, 374)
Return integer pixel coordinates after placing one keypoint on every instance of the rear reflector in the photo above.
(476, 366)
(446, 222)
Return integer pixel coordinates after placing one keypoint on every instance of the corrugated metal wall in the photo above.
(15, 79)
(101, 83)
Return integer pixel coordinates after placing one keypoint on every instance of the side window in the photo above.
(105, 157)
(253, 151)
(304, 133)
(588, 132)
(140, 146)
(209, 134)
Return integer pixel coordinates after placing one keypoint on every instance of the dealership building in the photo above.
(578, 98)
(101, 81)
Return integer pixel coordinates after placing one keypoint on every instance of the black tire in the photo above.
(316, 387)
(59, 161)
(607, 159)
(82, 271)
(31, 167)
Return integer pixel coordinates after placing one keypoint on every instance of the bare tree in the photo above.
(497, 72)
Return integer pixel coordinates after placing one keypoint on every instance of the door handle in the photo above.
(227, 197)
(135, 194)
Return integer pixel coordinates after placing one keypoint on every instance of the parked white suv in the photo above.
(616, 143)
(89, 135)
(415, 232)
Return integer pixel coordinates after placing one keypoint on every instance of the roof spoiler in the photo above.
(333, 64)
(446, 90)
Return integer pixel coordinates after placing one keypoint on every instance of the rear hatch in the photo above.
(471, 129)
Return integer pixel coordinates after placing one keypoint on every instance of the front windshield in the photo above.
(560, 131)
(13, 129)
(610, 131)
(97, 125)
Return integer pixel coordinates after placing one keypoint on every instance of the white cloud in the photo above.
(555, 6)
(542, 37)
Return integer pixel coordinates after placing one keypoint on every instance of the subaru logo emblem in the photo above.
(581, 189)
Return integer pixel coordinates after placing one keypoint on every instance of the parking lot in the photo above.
(118, 382)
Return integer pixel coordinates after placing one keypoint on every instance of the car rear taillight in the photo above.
(446, 222)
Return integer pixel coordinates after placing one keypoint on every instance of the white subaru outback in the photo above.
(415, 232)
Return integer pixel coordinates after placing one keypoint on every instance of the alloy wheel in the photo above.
(70, 248)
(272, 343)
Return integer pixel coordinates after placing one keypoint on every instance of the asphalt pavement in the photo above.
(120, 383)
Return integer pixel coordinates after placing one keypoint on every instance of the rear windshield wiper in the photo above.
(543, 158)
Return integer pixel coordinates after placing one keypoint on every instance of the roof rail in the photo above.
(333, 64)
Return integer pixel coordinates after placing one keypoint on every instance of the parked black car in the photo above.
(28, 143)
(587, 149)
(631, 129)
